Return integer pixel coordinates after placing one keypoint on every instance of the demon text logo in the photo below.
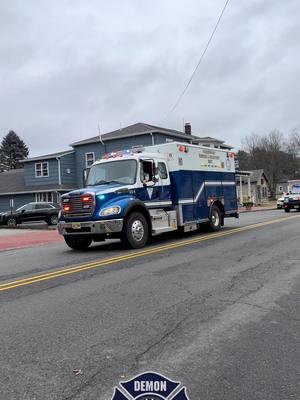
(150, 386)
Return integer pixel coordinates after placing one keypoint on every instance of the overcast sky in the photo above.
(68, 65)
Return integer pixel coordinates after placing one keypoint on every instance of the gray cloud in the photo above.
(65, 66)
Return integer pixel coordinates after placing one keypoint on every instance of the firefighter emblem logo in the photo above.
(150, 386)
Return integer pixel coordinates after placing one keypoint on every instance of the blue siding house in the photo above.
(46, 177)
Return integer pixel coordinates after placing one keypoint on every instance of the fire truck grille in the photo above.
(78, 206)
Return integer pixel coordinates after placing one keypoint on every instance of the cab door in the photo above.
(154, 183)
(147, 182)
(163, 182)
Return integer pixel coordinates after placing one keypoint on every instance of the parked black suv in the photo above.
(47, 212)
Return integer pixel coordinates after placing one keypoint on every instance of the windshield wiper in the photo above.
(103, 182)
(122, 183)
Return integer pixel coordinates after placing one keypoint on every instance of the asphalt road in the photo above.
(219, 312)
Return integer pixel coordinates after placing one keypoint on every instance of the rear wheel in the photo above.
(135, 231)
(11, 221)
(215, 219)
(78, 242)
(53, 220)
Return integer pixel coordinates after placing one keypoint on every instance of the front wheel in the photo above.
(287, 209)
(214, 219)
(135, 231)
(78, 242)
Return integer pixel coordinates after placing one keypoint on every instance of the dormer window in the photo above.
(41, 169)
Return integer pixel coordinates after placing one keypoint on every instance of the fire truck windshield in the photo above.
(121, 171)
(296, 189)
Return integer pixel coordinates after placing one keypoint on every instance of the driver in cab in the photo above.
(146, 174)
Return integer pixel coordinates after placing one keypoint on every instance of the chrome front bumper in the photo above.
(90, 227)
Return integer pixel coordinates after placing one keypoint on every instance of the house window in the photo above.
(44, 197)
(41, 169)
(89, 159)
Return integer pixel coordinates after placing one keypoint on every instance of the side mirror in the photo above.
(154, 171)
(85, 173)
(23, 211)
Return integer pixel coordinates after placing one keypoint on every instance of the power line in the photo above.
(199, 62)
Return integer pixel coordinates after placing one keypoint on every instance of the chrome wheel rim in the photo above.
(54, 220)
(137, 230)
(11, 222)
(215, 219)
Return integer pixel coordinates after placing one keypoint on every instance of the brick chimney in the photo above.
(188, 128)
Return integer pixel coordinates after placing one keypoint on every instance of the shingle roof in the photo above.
(137, 129)
(256, 175)
(48, 156)
(208, 139)
(12, 182)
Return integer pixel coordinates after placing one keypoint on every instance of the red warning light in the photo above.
(181, 148)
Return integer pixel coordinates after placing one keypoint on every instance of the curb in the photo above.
(30, 227)
(250, 211)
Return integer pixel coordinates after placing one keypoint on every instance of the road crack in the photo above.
(267, 309)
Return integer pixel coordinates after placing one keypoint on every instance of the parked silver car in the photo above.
(280, 202)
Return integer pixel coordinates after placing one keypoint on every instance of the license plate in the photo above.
(76, 225)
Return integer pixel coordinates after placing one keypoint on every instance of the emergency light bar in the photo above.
(121, 153)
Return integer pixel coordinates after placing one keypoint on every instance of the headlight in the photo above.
(110, 211)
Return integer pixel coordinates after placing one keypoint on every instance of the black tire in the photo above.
(287, 209)
(135, 231)
(52, 220)
(78, 242)
(11, 221)
(215, 219)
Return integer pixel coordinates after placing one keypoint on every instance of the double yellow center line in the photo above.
(133, 255)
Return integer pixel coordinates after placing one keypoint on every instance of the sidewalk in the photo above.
(11, 239)
(266, 207)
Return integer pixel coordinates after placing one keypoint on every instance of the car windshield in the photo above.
(296, 189)
(123, 172)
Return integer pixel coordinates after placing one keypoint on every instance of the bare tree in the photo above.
(270, 153)
(294, 141)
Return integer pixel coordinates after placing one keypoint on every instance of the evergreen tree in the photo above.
(12, 150)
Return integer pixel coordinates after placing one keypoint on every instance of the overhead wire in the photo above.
(199, 61)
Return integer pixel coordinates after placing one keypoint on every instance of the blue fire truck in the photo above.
(142, 192)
